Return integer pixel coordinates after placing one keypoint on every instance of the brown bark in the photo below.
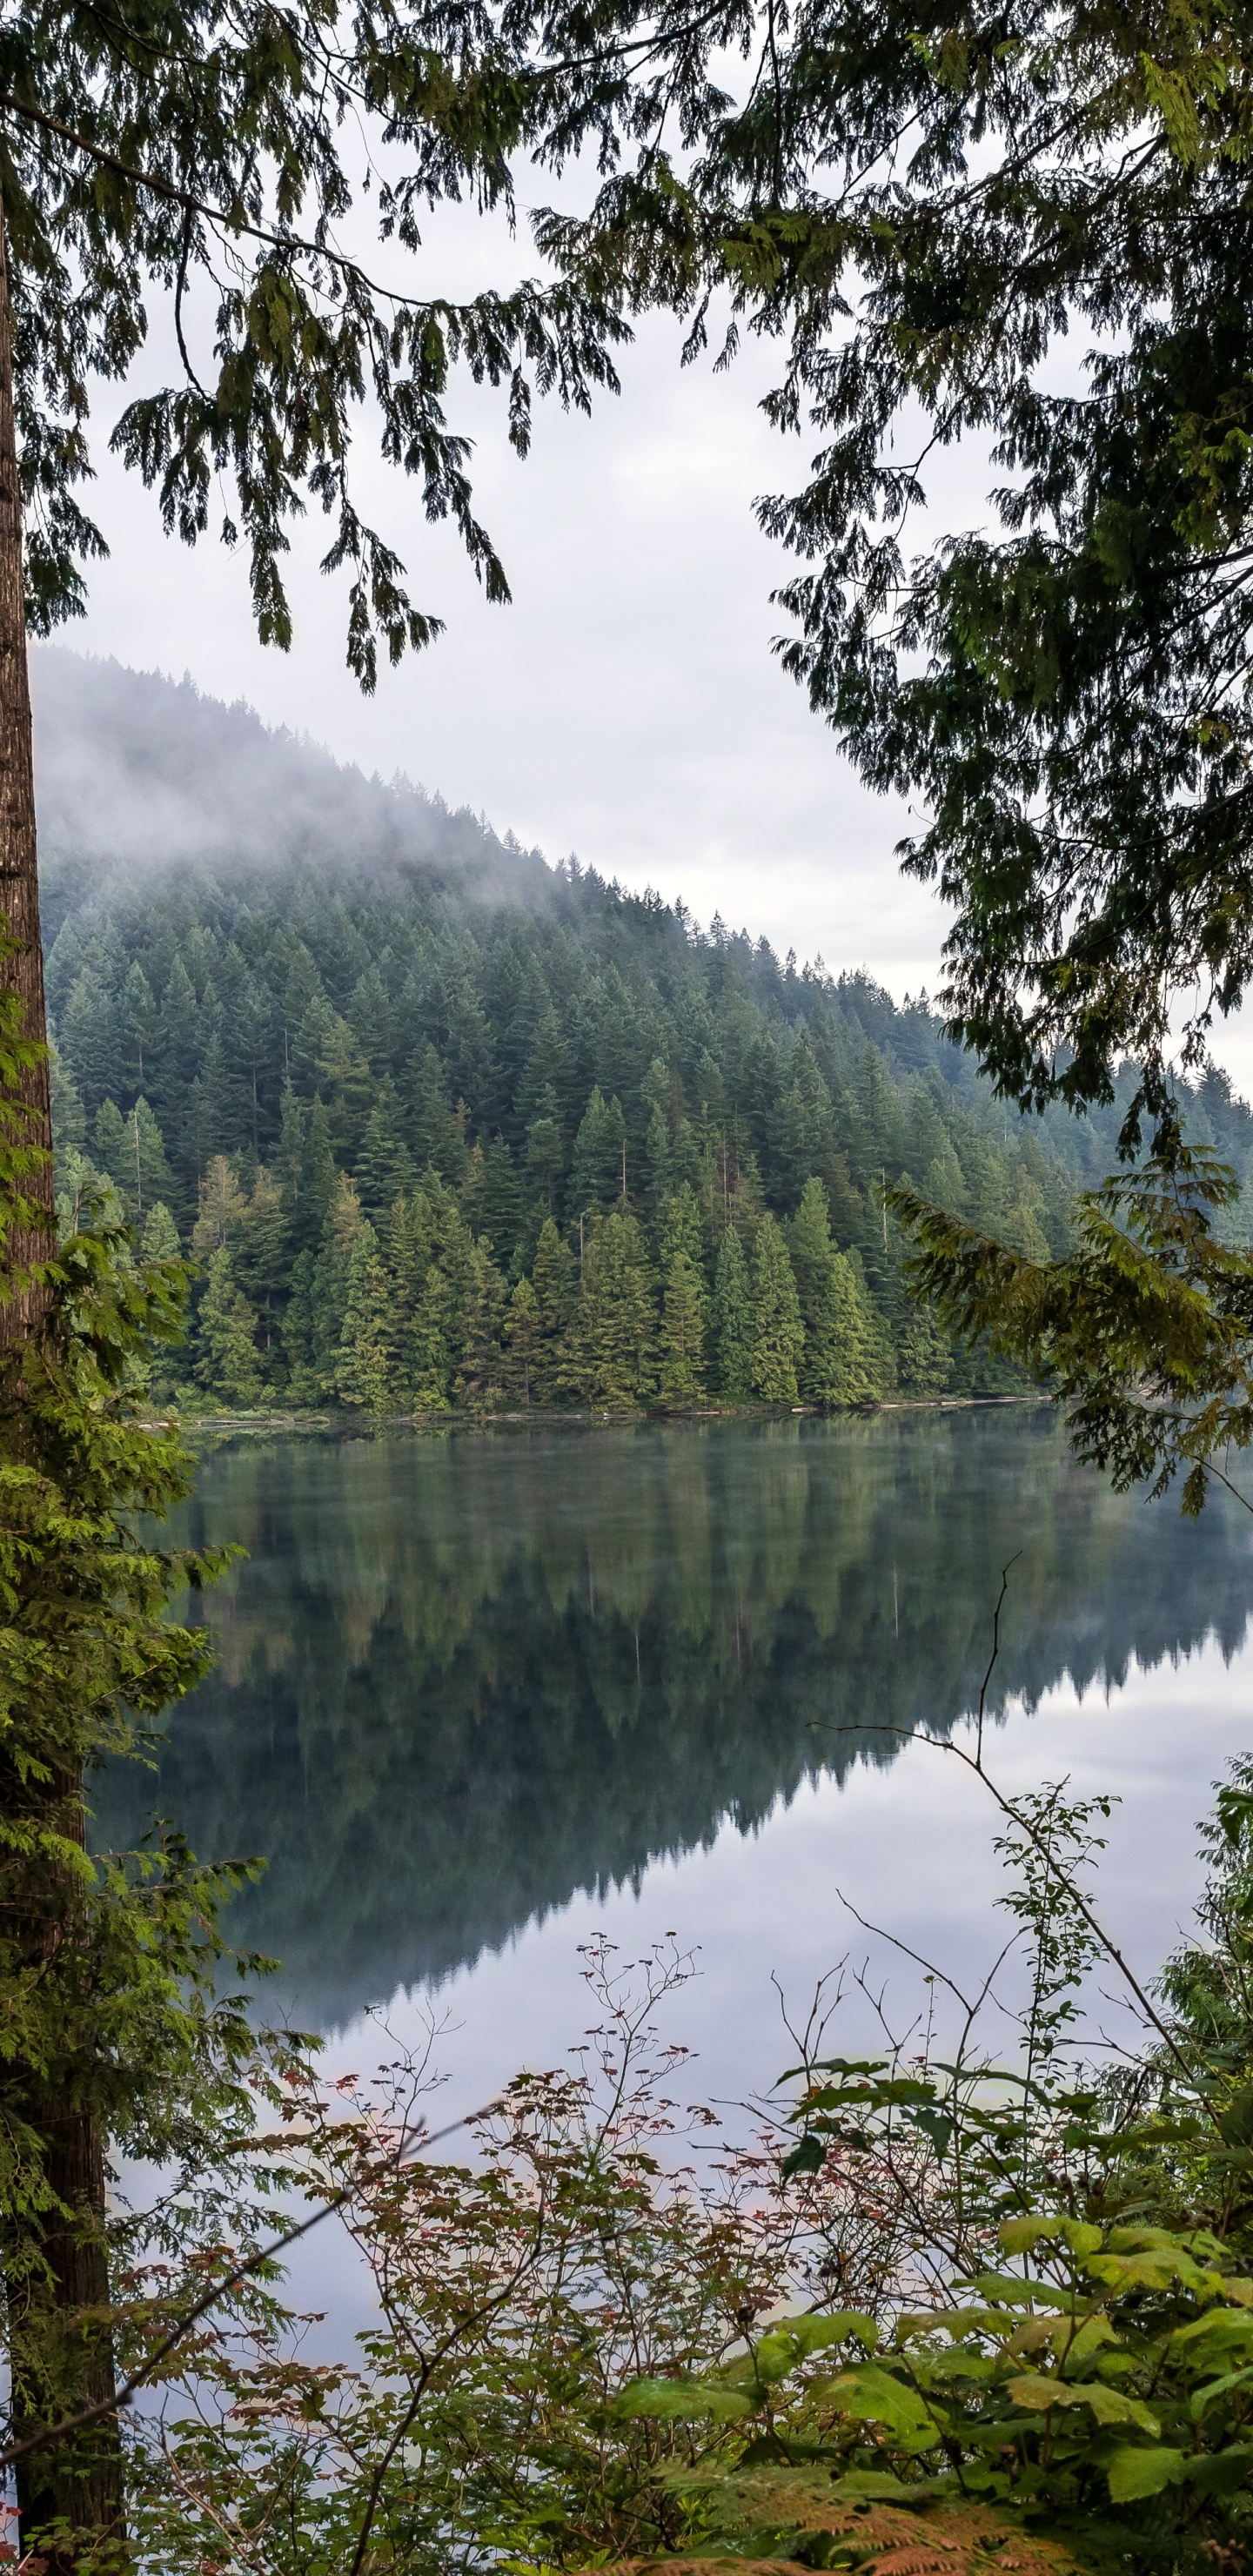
(19, 869)
(61, 2356)
(75, 2484)
(56, 2274)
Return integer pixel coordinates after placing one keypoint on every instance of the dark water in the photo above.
(461, 1679)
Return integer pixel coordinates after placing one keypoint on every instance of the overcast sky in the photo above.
(627, 707)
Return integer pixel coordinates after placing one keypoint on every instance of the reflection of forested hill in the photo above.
(461, 1678)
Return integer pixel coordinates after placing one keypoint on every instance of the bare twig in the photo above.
(86, 2416)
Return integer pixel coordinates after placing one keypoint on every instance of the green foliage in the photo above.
(778, 1335)
(924, 216)
(1144, 1332)
(227, 1362)
(116, 2027)
(733, 1320)
(361, 1359)
(222, 178)
(839, 1361)
(591, 2349)
(390, 1052)
(612, 1343)
(1109, 2370)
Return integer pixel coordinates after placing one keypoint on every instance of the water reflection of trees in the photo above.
(461, 1678)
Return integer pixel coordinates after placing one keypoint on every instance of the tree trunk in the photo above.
(57, 2277)
(19, 871)
(56, 2272)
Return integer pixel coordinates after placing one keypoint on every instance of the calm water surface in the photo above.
(479, 1695)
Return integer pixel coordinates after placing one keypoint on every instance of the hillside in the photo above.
(445, 1125)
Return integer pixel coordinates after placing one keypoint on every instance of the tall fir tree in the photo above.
(553, 1279)
(545, 1158)
(611, 1349)
(838, 1365)
(524, 1343)
(317, 1189)
(684, 1326)
(385, 1167)
(148, 1174)
(482, 1369)
(778, 1342)
(439, 1324)
(139, 1028)
(437, 1133)
(159, 1240)
(596, 1174)
(407, 1242)
(732, 1322)
(227, 1363)
(341, 1228)
(361, 1375)
(261, 1253)
(221, 1208)
(91, 1038)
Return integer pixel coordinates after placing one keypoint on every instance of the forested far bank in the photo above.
(439, 1135)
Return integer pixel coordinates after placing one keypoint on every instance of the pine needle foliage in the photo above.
(111, 2032)
(1144, 1331)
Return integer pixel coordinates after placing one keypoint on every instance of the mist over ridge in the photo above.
(137, 771)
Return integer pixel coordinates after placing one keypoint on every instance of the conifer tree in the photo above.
(89, 1032)
(140, 1028)
(498, 1208)
(524, 1342)
(180, 1047)
(684, 1323)
(482, 1370)
(778, 1335)
(85, 1195)
(657, 1153)
(385, 1167)
(362, 1366)
(159, 1240)
(148, 1175)
(611, 1351)
(226, 1361)
(261, 1251)
(317, 1192)
(347, 1087)
(732, 1321)
(289, 1162)
(545, 1156)
(439, 1324)
(437, 1135)
(69, 1119)
(329, 1284)
(298, 1334)
(599, 1150)
(108, 1145)
(680, 1226)
(429, 1359)
(838, 1363)
(221, 1209)
(552, 1277)
(406, 1243)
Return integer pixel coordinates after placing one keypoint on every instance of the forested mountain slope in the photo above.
(448, 1126)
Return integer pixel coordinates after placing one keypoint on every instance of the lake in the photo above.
(480, 1694)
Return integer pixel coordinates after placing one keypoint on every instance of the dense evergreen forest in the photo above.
(444, 1126)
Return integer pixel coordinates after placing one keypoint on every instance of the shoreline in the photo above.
(346, 1423)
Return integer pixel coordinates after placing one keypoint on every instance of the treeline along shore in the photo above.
(444, 1127)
